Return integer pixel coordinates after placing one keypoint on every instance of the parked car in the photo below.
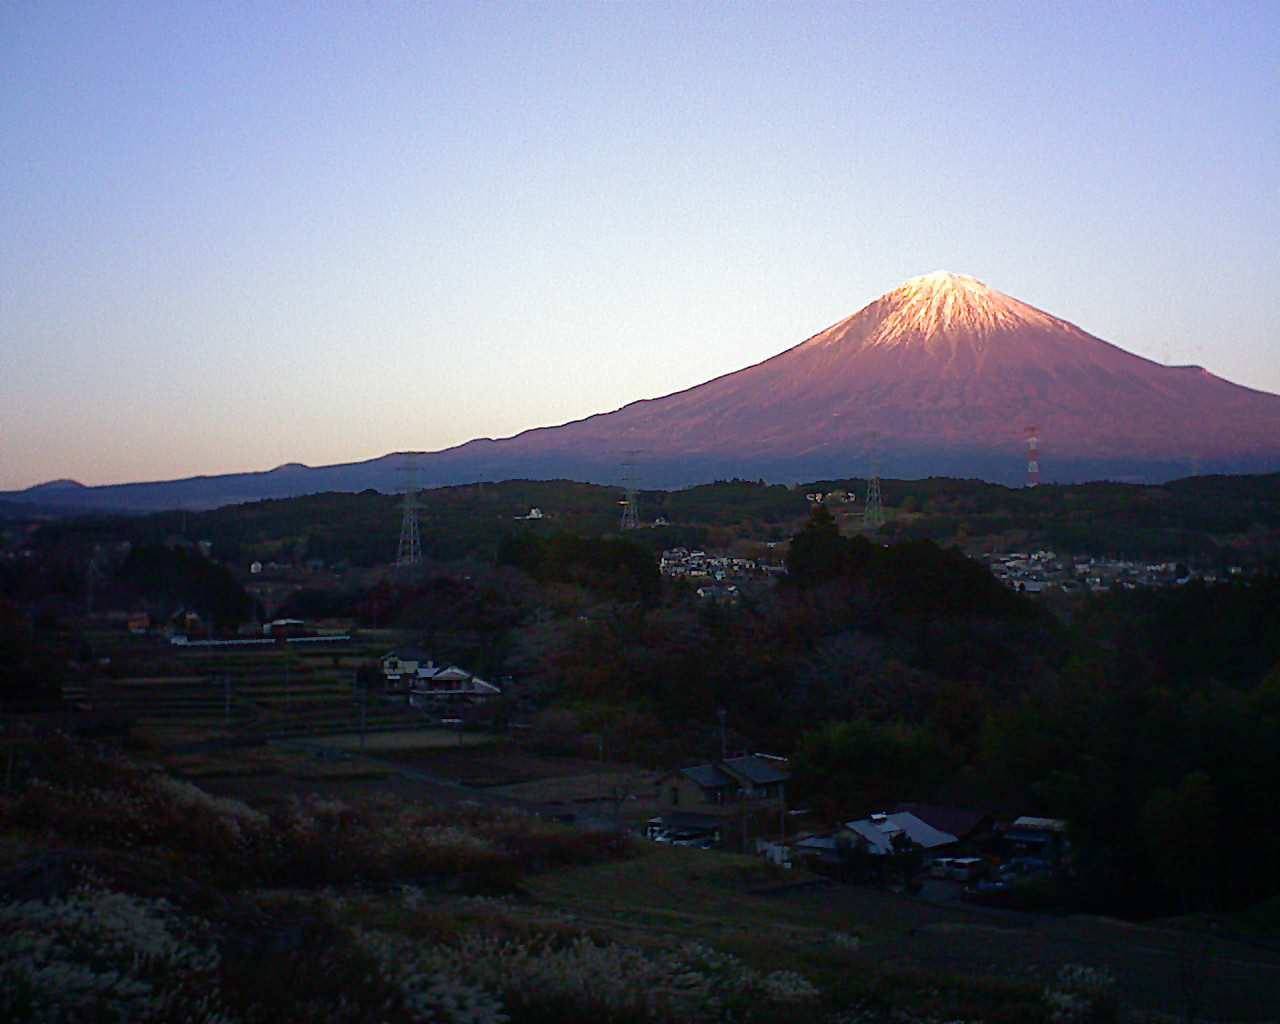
(690, 839)
(941, 867)
(985, 892)
(1025, 867)
(968, 869)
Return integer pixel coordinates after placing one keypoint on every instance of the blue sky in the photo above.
(238, 235)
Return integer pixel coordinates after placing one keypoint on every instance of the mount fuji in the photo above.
(940, 376)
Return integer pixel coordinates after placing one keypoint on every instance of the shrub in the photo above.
(105, 956)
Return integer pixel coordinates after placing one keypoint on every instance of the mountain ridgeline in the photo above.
(940, 376)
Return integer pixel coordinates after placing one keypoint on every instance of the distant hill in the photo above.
(1212, 520)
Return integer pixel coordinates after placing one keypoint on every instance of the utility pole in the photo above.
(90, 582)
(360, 694)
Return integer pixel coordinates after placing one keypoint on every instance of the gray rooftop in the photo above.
(708, 776)
(756, 770)
(759, 771)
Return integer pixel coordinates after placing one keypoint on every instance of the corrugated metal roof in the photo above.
(879, 832)
(1041, 824)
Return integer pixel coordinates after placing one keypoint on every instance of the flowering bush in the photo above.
(847, 941)
(546, 977)
(1081, 994)
(100, 798)
(105, 956)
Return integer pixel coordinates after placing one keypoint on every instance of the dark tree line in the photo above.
(615, 567)
(178, 577)
(1151, 722)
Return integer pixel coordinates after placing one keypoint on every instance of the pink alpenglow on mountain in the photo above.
(940, 374)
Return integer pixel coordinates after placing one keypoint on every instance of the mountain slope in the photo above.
(945, 363)
(942, 375)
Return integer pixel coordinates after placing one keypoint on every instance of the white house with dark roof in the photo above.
(432, 681)
(726, 782)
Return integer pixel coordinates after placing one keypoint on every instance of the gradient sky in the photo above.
(233, 236)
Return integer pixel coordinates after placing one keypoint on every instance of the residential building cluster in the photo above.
(742, 801)
(1038, 571)
(832, 498)
(411, 674)
(697, 565)
(717, 576)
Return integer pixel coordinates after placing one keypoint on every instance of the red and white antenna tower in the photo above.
(1033, 456)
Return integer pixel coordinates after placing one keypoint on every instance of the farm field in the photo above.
(196, 695)
(270, 761)
(501, 764)
(409, 740)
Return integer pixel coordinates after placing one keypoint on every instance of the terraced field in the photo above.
(267, 693)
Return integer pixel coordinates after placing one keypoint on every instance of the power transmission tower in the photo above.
(410, 550)
(630, 504)
(1033, 456)
(873, 511)
(92, 577)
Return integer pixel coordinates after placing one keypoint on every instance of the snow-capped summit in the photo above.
(932, 305)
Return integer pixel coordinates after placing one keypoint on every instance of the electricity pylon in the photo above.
(410, 551)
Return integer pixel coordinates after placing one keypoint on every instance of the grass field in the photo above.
(502, 764)
(270, 761)
(722, 898)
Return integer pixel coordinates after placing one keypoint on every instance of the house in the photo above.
(726, 783)
(451, 682)
(1045, 838)
(967, 826)
(877, 833)
(396, 665)
(821, 850)
(737, 788)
